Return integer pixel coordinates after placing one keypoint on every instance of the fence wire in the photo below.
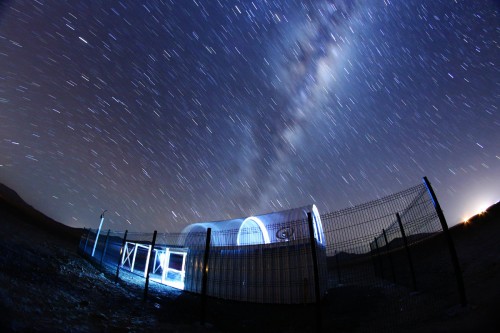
(389, 253)
(392, 247)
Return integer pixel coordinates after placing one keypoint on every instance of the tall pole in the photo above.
(103, 253)
(86, 241)
(379, 258)
(122, 254)
(408, 253)
(81, 239)
(317, 293)
(388, 253)
(451, 245)
(204, 278)
(148, 265)
(338, 266)
(98, 232)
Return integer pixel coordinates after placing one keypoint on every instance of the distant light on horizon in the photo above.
(479, 210)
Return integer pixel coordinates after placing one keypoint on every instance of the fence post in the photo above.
(451, 245)
(86, 242)
(103, 253)
(379, 258)
(98, 233)
(81, 240)
(390, 256)
(120, 256)
(408, 253)
(316, 275)
(337, 260)
(205, 276)
(373, 255)
(148, 265)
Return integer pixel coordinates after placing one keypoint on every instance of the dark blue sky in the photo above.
(173, 112)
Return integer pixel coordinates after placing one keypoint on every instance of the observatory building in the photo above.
(265, 258)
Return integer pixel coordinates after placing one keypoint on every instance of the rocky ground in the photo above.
(46, 286)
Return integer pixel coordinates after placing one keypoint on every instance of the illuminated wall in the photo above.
(265, 258)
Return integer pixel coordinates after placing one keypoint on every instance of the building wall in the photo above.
(270, 273)
(264, 259)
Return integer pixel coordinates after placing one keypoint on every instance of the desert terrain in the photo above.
(47, 286)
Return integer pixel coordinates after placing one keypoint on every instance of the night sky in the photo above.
(167, 113)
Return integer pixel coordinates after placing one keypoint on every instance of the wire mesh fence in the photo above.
(279, 272)
(392, 247)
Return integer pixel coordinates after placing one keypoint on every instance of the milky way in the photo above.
(167, 113)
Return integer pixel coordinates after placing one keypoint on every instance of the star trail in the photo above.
(167, 113)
